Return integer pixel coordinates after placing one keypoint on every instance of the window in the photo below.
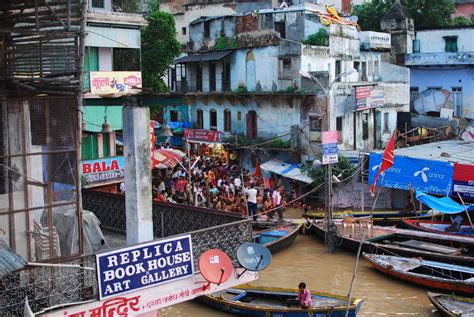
(357, 66)
(400, 59)
(386, 123)
(337, 76)
(183, 30)
(371, 68)
(376, 69)
(174, 116)
(285, 68)
(126, 59)
(207, 28)
(315, 124)
(199, 78)
(414, 91)
(252, 125)
(212, 77)
(365, 127)
(199, 119)
(364, 71)
(227, 120)
(451, 44)
(339, 124)
(239, 115)
(458, 101)
(98, 3)
(213, 120)
(280, 28)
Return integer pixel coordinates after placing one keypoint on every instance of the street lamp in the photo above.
(331, 230)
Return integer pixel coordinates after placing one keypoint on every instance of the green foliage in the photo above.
(343, 167)
(320, 38)
(461, 21)
(291, 90)
(159, 48)
(241, 89)
(425, 13)
(277, 143)
(223, 43)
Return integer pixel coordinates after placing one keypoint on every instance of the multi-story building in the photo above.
(244, 76)
(443, 60)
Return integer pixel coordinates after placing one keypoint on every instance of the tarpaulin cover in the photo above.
(289, 170)
(444, 205)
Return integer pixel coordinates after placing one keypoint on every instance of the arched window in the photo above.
(227, 121)
(251, 121)
(199, 119)
(250, 71)
(213, 120)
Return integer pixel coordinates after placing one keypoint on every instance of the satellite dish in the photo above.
(253, 257)
(215, 266)
(354, 18)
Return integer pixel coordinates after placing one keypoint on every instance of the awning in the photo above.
(204, 57)
(9, 260)
(444, 205)
(289, 170)
(165, 158)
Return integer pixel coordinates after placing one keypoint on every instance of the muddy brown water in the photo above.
(307, 260)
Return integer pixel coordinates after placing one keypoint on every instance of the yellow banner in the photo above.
(115, 83)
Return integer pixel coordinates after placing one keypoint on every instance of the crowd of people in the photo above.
(213, 184)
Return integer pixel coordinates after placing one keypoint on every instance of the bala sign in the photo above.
(126, 270)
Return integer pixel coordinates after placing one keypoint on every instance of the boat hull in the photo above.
(282, 242)
(459, 287)
(222, 303)
(452, 306)
(434, 226)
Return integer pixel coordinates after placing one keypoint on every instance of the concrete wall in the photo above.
(112, 37)
(105, 59)
(447, 77)
(275, 114)
(432, 41)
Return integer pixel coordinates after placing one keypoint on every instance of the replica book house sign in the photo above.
(130, 269)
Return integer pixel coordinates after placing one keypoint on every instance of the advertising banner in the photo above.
(130, 269)
(103, 171)
(433, 177)
(329, 147)
(368, 97)
(117, 83)
(463, 180)
(198, 135)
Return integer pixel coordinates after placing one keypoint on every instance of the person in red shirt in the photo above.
(304, 299)
(160, 197)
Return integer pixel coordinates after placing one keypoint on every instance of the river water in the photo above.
(307, 260)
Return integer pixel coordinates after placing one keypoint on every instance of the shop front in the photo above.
(207, 144)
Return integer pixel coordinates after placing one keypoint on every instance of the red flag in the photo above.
(258, 171)
(387, 161)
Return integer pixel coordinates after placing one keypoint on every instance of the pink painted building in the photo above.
(464, 8)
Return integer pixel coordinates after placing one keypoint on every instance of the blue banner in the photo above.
(126, 270)
(434, 177)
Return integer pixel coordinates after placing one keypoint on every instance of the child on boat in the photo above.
(304, 297)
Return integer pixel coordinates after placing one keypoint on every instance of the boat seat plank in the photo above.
(430, 247)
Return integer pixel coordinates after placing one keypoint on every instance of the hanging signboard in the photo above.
(130, 269)
(102, 171)
(368, 97)
(117, 83)
(463, 180)
(329, 147)
(199, 135)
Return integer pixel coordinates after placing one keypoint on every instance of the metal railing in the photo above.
(75, 280)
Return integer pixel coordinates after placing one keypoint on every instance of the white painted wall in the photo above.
(105, 59)
(432, 41)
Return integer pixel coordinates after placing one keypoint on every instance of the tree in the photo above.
(425, 13)
(159, 49)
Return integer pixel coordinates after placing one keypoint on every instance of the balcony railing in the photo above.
(377, 41)
(75, 280)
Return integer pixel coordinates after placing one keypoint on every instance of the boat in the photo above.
(452, 305)
(402, 242)
(279, 237)
(436, 275)
(383, 218)
(268, 301)
(437, 227)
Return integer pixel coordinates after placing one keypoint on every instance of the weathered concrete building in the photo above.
(443, 60)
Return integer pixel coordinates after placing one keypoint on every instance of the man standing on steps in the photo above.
(252, 201)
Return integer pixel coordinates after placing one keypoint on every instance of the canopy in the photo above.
(167, 158)
(444, 205)
(204, 57)
(289, 170)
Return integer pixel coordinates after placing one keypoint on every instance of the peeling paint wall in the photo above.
(432, 41)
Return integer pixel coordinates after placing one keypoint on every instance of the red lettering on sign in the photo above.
(86, 168)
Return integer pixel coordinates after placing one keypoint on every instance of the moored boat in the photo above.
(438, 227)
(266, 301)
(452, 305)
(436, 275)
(279, 237)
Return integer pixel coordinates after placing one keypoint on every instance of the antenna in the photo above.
(215, 266)
(253, 257)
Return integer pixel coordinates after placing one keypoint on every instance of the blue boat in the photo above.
(249, 300)
(278, 238)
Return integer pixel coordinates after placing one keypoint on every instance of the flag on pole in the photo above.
(387, 161)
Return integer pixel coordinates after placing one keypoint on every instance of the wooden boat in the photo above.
(452, 305)
(437, 227)
(402, 242)
(383, 218)
(436, 275)
(278, 238)
(265, 301)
